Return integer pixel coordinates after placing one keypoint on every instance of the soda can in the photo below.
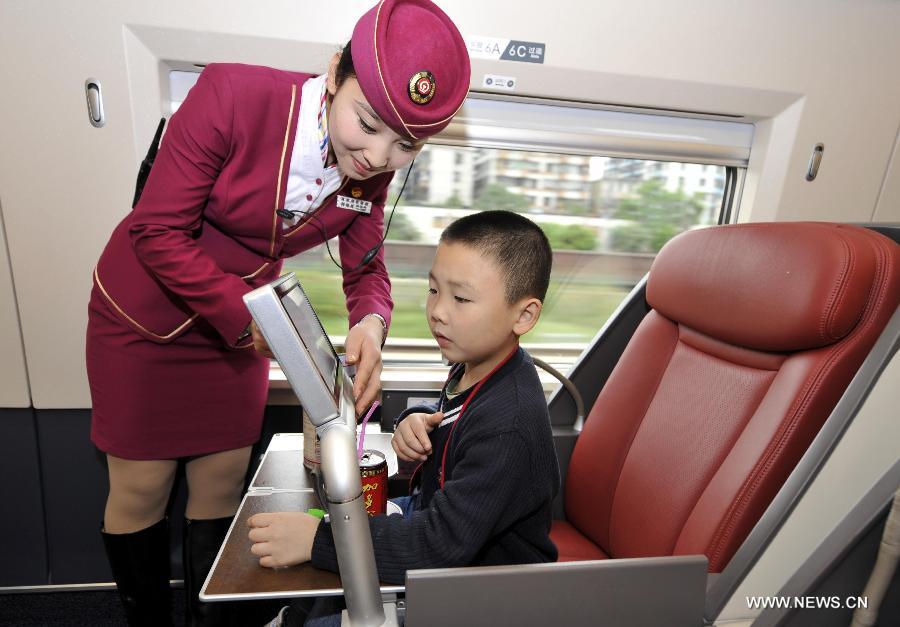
(374, 474)
(311, 456)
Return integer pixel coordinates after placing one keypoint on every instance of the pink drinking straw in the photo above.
(362, 432)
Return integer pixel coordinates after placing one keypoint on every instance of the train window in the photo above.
(608, 186)
(180, 83)
(605, 217)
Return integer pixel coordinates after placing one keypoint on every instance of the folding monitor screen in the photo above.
(295, 335)
(312, 334)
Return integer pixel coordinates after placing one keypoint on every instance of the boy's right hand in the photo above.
(282, 538)
(411, 441)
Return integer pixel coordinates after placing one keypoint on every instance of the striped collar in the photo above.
(449, 404)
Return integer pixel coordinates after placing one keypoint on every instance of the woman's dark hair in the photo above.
(345, 67)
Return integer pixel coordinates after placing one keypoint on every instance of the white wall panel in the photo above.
(888, 207)
(13, 377)
(807, 71)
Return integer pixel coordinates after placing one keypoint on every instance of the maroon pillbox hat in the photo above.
(412, 65)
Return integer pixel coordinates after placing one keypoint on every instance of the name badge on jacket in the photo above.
(354, 204)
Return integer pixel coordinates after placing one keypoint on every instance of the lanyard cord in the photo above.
(466, 404)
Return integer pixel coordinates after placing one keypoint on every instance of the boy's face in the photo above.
(467, 310)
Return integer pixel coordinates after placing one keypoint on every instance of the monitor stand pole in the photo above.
(350, 528)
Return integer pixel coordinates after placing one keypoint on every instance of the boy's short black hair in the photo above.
(517, 244)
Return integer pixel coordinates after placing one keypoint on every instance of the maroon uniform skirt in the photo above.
(190, 397)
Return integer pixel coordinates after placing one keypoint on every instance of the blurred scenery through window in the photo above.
(605, 218)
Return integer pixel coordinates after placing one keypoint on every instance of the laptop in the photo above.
(640, 592)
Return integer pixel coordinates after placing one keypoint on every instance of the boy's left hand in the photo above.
(282, 538)
(363, 349)
(410, 440)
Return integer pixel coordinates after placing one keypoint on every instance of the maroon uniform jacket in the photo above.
(205, 231)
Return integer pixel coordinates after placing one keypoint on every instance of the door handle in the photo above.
(94, 94)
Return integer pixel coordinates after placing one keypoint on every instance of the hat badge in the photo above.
(421, 87)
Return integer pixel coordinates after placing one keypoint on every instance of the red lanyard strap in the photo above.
(463, 409)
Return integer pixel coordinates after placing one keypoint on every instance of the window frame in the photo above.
(562, 127)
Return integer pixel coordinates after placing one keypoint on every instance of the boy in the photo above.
(489, 471)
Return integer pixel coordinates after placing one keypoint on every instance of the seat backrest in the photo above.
(754, 333)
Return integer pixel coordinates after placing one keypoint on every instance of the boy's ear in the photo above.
(331, 84)
(529, 312)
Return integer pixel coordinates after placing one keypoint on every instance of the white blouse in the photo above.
(310, 183)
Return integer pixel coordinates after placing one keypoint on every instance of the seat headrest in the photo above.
(780, 287)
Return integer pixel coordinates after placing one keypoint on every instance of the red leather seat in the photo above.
(754, 333)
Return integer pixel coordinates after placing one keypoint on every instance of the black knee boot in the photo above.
(202, 539)
(140, 566)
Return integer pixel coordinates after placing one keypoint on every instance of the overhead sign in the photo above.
(505, 49)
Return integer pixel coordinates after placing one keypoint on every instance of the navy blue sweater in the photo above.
(501, 478)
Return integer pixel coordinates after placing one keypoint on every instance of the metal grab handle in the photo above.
(570, 388)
